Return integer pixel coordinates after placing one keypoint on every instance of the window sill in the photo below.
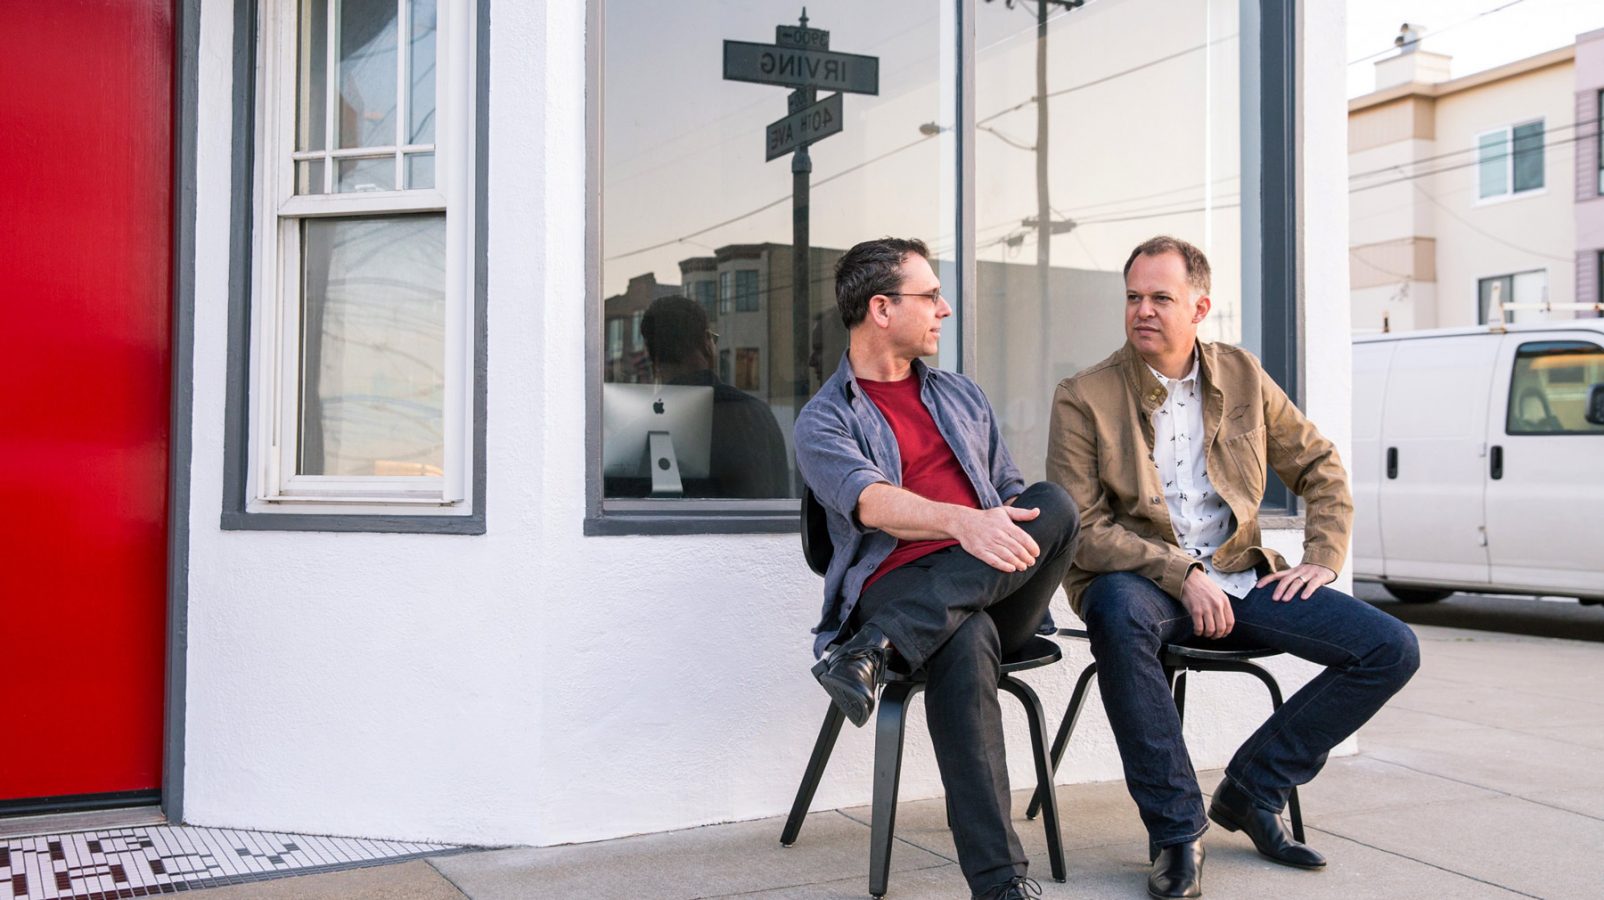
(1510, 197)
(234, 520)
(1282, 523)
(616, 523)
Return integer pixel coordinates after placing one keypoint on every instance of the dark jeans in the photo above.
(928, 608)
(1369, 656)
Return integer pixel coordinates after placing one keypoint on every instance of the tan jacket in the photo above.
(1100, 448)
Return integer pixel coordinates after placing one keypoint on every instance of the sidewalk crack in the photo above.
(1428, 863)
(1502, 793)
(900, 839)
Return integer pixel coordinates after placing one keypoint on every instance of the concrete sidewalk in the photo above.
(1484, 778)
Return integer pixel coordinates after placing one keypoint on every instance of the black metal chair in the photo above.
(1178, 660)
(891, 719)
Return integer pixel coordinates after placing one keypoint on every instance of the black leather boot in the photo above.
(1177, 871)
(1233, 810)
(851, 674)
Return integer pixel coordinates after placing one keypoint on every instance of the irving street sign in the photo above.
(811, 124)
(797, 67)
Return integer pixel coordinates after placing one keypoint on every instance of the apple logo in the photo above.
(657, 406)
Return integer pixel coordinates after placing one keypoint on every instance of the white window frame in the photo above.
(272, 485)
(1508, 133)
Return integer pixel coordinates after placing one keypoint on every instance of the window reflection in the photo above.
(372, 368)
(1140, 136)
(695, 221)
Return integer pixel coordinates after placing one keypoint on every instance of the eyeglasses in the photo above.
(713, 334)
(933, 296)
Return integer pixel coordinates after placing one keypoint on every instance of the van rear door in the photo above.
(1434, 425)
(1372, 361)
(1545, 494)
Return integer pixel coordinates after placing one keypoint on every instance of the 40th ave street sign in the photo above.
(815, 123)
(801, 68)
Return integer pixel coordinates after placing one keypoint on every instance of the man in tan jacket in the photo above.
(1164, 448)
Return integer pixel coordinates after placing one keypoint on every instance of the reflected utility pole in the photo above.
(1043, 220)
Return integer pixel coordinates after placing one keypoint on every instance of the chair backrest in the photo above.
(816, 546)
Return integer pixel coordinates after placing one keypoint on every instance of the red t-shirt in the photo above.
(929, 467)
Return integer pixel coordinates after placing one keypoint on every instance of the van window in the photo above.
(1549, 388)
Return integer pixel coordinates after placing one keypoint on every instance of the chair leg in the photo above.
(1066, 728)
(813, 774)
(1180, 697)
(889, 728)
(1293, 806)
(1044, 770)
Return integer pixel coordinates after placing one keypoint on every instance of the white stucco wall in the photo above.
(533, 685)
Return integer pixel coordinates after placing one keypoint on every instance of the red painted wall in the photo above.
(85, 275)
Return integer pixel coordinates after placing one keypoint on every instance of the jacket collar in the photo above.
(849, 382)
(1150, 395)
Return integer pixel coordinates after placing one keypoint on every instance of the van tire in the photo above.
(1418, 595)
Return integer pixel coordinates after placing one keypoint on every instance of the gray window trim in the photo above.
(236, 439)
(1273, 333)
(1281, 295)
(186, 105)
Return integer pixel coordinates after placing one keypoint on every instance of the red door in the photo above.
(85, 269)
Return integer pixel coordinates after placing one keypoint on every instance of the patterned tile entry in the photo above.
(151, 860)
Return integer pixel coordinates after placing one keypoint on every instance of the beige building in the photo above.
(1462, 191)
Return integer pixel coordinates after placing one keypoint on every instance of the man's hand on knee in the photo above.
(1208, 604)
(991, 536)
(1299, 581)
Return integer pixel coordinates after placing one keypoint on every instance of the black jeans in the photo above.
(1369, 656)
(928, 608)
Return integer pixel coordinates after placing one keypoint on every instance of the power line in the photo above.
(1475, 162)
(771, 204)
(1493, 237)
(1106, 78)
(1426, 159)
(1442, 30)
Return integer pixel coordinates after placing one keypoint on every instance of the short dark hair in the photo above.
(675, 329)
(1197, 265)
(872, 267)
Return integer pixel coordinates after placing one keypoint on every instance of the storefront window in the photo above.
(713, 343)
(1139, 136)
(1088, 129)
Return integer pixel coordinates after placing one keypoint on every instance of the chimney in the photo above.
(1411, 64)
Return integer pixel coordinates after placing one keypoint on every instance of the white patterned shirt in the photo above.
(1201, 518)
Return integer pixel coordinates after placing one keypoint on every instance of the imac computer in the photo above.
(659, 431)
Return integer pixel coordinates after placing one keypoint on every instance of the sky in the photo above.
(1478, 34)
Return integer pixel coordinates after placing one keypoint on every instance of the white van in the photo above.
(1479, 460)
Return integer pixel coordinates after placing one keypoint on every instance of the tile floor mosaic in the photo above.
(152, 860)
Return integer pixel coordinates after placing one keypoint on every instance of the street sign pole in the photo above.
(800, 58)
(801, 276)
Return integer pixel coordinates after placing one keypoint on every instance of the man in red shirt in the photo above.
(944, 559)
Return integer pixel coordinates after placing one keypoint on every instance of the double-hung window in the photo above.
(1509, 160)
(361, 376)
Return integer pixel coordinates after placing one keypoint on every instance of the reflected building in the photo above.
(623, 349)
(747, 290)
(1025, 345)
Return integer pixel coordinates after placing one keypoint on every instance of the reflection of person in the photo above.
(943, 559)
(748, 455)
(1164, 446)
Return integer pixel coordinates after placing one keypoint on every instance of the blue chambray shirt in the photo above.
(844, 444)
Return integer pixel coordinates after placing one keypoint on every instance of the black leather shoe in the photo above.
(852, 672)
(1233, 810)
(1016, 888)
(1177, 871)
